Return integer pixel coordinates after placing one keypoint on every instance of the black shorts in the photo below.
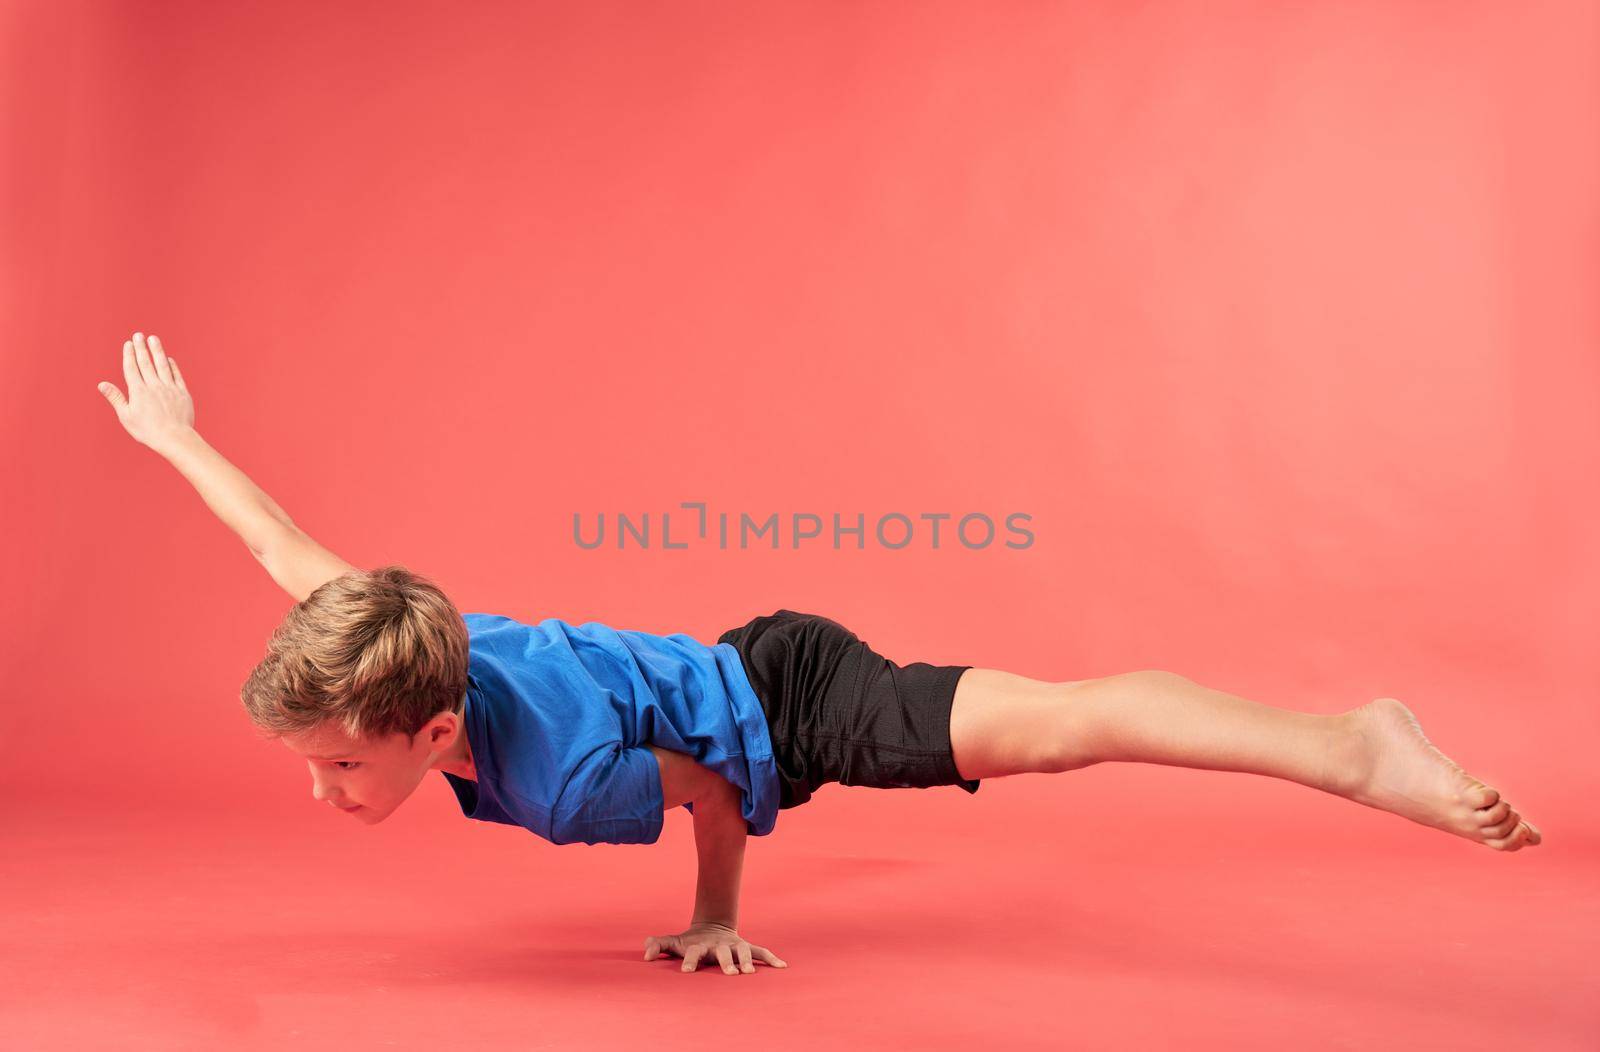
(840, 712)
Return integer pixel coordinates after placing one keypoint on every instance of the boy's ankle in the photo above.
(1349, 755)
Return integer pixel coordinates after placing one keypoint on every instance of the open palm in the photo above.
(158, 403)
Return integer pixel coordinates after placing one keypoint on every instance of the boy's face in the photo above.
(369, 778)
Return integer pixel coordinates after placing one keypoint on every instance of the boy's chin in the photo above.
(368, 816)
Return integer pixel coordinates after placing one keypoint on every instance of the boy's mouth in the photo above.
(353, 807)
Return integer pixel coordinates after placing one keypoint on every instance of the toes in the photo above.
(1499, 823)
(1503, 829)
(1490, 816)
(1512, 841)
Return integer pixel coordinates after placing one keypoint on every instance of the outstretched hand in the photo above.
(157, 405)
(704, 940)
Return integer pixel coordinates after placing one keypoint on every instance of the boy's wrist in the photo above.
(173, 438)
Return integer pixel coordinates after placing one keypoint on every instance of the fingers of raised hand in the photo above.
(152, 360)
(130, 367)
(159, 354)
(141, 356)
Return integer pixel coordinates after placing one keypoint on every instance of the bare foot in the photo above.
(1394, 767)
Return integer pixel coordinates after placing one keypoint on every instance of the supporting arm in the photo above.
(720, 833)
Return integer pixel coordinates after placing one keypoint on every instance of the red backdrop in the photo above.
(1279, 322)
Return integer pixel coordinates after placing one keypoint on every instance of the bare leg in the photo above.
(1157, 717)
(1376, 755)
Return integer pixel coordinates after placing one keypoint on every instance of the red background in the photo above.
(1280, 322)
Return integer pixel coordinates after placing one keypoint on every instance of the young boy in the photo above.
(584, 733)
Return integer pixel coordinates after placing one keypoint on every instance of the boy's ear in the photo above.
(441, 727)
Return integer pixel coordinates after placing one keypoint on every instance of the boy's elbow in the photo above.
(684, 781)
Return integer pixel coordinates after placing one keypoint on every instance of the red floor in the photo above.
(1117, 907)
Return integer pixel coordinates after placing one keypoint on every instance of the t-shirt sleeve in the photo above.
(613, 797)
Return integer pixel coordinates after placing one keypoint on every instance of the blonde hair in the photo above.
(376, 651)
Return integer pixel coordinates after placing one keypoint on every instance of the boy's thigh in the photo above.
(1003, 724)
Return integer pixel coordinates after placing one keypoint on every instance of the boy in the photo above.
(587, 734)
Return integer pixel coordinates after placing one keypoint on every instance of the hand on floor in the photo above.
(704, 940)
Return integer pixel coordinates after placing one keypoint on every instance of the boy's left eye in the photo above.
(347, 764)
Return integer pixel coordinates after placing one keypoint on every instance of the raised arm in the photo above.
(158, 413)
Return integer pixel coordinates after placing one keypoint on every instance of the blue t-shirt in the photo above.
(558, 718)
